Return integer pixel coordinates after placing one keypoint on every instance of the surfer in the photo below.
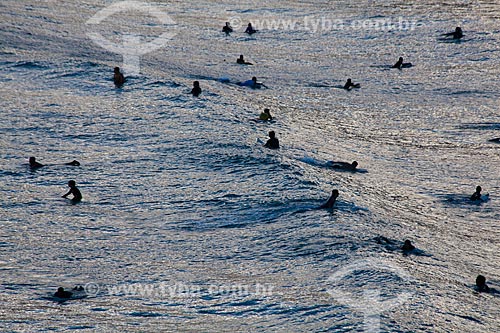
(400, 64)
(73, 163)
(477, 195)
(250, 30)
(266, 115)
(242, 61)
(331, 200)
(342, 165)
(348, 85)
(61, 293)
(34, 164)
(407, 246)
(252, 83)
(227, 28)
(481, 284)
(457, 34)
(77, 195)
(118, 77)
(196, 91)
(273, 142)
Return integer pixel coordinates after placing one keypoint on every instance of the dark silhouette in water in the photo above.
(196, 91)
(118, 77)
(331, 201)
(253, 83)
(457, 34)
(266, 115)
(481, 284)
(273, 142)
(77, 195)
(250, 30)
(342, 165)
(242, 61)
(400, 64)
(349, 85)
(227, 28)
(477, 195)
(407, 246)
(61, 293)
(34, 164)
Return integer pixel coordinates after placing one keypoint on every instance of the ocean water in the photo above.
(188, 224)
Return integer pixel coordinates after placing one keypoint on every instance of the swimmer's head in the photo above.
(478, 189)
(60, 289)
(349, 80)
(249, 24)
(117, 70)
(400, 58)
(272, 134)
(241, 56)
(266, 110)
(71, 183)
(335, 193)
(354, 164)
(458, 29)
(32, 160)
(480, 281)
(196, 84)
(254, 79)
(407, 242)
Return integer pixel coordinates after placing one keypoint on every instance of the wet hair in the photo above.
(478, 189)
(117, 69)
(354, 164)
(32, 159)
(272, 134)
(71, 183)
(196, 83)
(254, 78)
(266, 110)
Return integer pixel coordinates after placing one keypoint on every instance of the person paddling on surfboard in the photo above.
(77, 195)
(331, 201)
(35, 165)
(349, 85)
(118, 77)
(242, 61)
(252, 83)
(342, 165)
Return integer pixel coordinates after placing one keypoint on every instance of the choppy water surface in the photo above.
(180, 198)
